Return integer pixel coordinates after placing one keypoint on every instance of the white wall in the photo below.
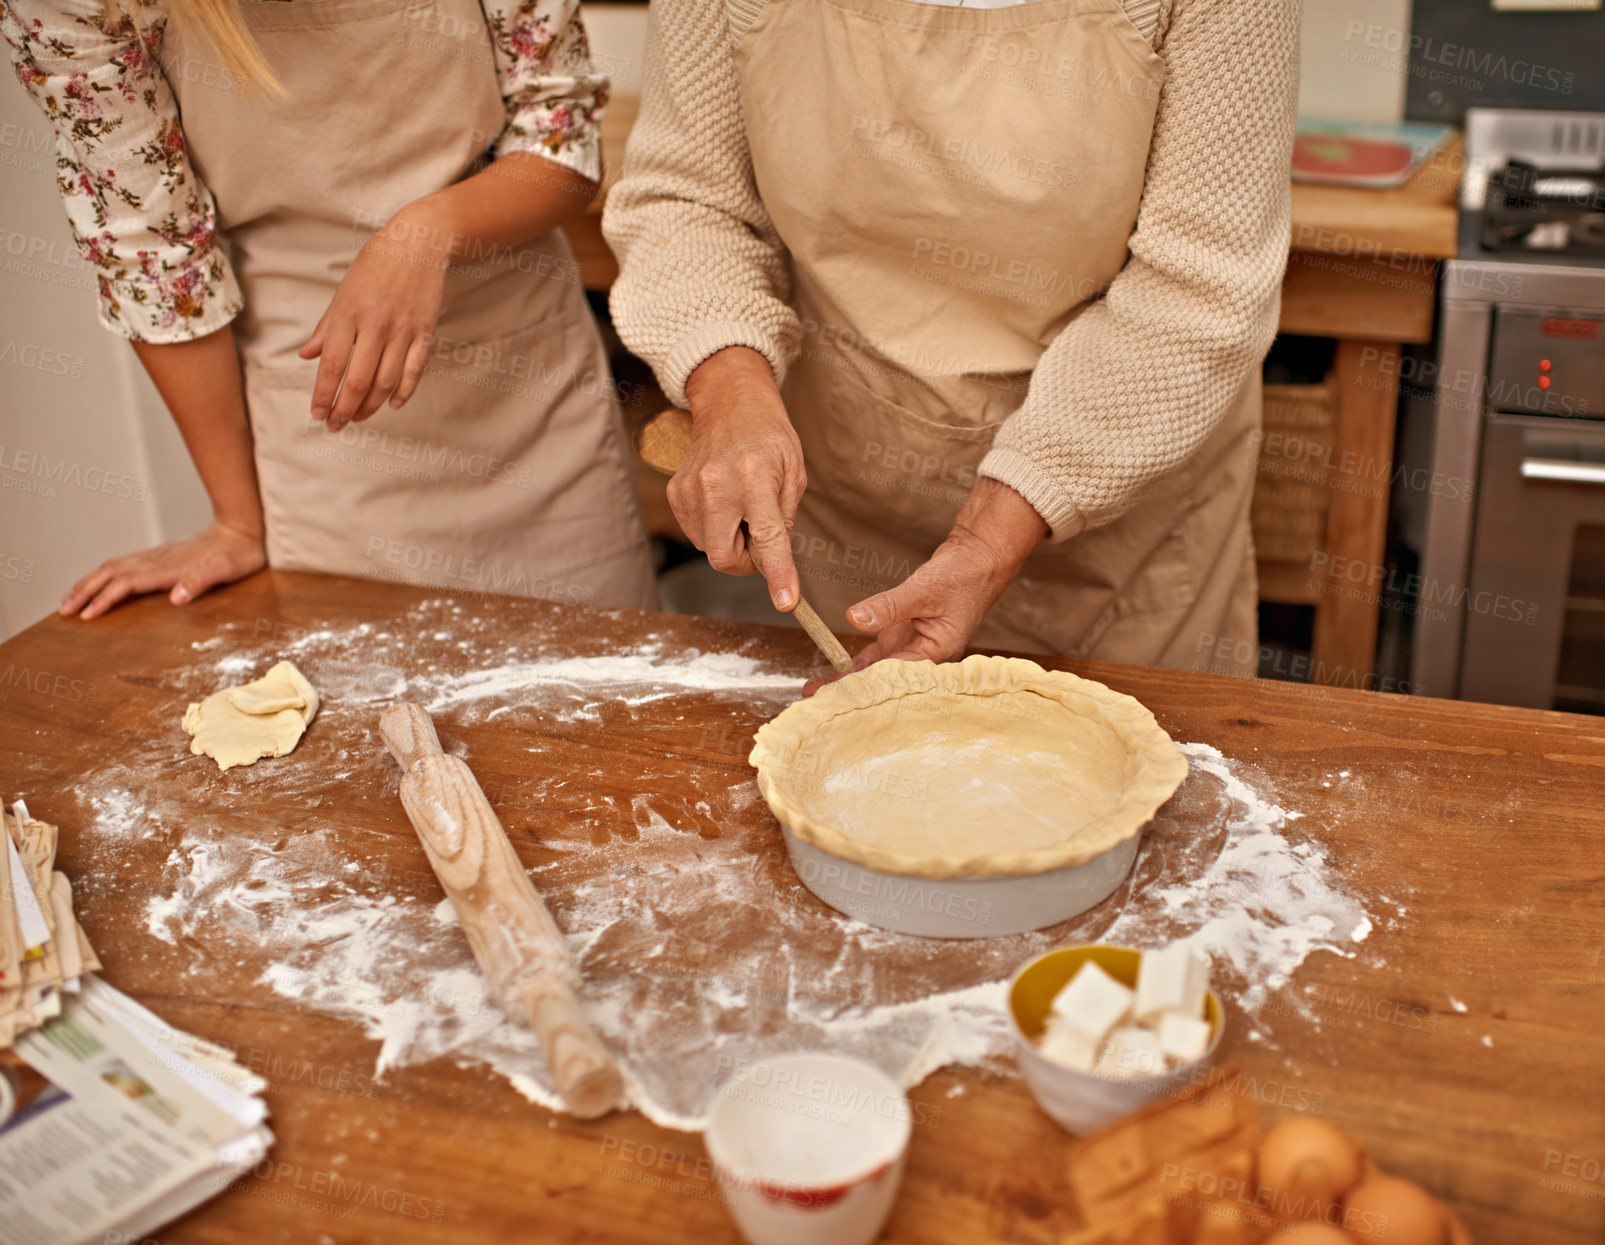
(1347, 73)
(618, 43)
(90, 465)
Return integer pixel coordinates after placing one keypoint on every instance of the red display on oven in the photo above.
(1569, 326)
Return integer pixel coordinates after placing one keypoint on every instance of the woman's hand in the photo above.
(932, 614)
(736, 496)
(374, 337)
(219, 555)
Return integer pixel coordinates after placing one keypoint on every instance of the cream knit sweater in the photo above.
(1134, 384)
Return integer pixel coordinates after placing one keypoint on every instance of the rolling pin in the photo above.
(517, 944)
(664, 441)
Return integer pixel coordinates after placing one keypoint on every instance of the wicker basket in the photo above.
(1292, 490)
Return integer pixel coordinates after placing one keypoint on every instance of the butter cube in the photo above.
(1093, 1003)
(1172, 979)
(1067, 1046)
(1131, 1054)
(1184, 1039)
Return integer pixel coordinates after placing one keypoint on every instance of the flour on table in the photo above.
(636, 678)
(700, 949)
(115, 810)
(1263, 903)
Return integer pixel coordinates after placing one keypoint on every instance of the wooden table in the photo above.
(1485, 824)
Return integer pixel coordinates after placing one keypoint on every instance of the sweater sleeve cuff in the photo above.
(691, 350)
(1039, 488)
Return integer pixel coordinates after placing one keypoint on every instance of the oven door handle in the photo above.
(1562, 469)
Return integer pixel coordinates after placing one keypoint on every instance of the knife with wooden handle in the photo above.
(518, 946)
(664, 441)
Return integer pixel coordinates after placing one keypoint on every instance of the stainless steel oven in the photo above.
(1511, 607)
(1535, 621)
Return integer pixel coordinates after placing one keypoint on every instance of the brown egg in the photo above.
(1306, 1166)
(1385, 1208)
(1311, 1234)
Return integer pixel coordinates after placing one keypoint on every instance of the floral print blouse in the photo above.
(140, 214)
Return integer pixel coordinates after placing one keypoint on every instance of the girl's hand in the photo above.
(219, 555)
(737, 493)
(374, 338)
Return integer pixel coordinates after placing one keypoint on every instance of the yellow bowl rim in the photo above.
(1109, 957)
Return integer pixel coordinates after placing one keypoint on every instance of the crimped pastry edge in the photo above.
(1161, 770)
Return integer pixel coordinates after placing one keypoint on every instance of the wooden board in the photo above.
(1417, 218)
(1383, 301)
(1483, 826)
(1288, 583)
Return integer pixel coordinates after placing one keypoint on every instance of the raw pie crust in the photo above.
(241, 724)
(987, 766)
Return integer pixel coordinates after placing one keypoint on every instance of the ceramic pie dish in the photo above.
(966, 800)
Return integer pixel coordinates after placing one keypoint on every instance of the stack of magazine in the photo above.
(112, 1122)
(43, 950)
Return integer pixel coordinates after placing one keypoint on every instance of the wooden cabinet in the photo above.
(1364, 270)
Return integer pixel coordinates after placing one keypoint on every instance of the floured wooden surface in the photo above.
(1459, 824)
(699, 946)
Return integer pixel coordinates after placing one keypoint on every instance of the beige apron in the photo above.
(506, 472)
(952, 186)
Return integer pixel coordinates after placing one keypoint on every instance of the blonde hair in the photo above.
(220, 21)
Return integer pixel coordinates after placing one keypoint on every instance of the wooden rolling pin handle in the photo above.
(518, 946)
(590, 1080)
(409, 734)
(663, 441)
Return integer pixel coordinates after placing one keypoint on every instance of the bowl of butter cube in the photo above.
(1102, 1031)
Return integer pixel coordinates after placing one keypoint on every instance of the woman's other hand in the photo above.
(745, 467)
(219, 555)
(932, 614)
(374, 338)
